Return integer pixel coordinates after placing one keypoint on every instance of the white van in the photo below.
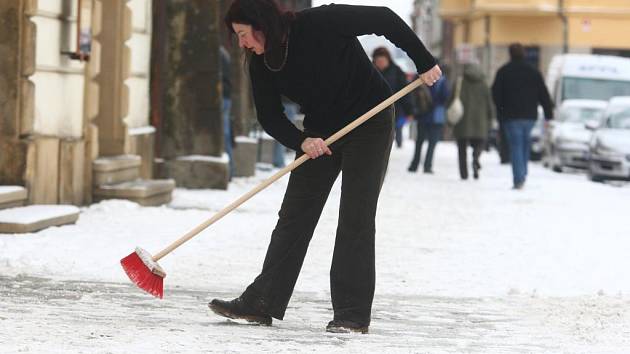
(588, 76)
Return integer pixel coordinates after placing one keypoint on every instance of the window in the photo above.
(595, 89)
(620, 120)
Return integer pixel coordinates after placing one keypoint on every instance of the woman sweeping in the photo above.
(314, 58)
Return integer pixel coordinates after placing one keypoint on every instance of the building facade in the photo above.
(426, 22)
(74, 87)
(546, 27)
(98, 98)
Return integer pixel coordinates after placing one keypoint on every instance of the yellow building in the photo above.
(545, 27)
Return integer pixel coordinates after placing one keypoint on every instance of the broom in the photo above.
(146, 273)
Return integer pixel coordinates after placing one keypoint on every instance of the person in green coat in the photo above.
(472, 129)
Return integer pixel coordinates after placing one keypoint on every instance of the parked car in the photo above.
(567, 139)
(609, 152)
(588, 76)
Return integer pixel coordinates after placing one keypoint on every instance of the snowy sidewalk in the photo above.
(468, 267)
(81, 317)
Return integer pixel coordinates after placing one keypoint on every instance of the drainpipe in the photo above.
(565, 26)
(488, 45)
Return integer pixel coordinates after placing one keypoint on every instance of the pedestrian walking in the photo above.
(517, 90)
(396, 79)
(472, 129)
(314, 58)
(226, 83)
(430, 125)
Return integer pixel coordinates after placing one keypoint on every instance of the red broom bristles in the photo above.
(142, 276)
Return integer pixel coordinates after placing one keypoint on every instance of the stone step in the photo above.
(199, 171)
(33, 218)
(266, 148)
(12, 196)
(245, 155)
(116, 176)
(113, 163)
(144, 192)
(116, 169)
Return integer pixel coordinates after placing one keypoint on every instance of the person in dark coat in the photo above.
(226, 83)
(517, 90)
(472, 129)
(430, 125)
(397, 80)
(314, 58)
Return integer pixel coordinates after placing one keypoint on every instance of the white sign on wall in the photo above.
(465, 53)
(586, 25)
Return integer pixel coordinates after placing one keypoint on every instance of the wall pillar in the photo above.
(115, 62)
(18, 155)
(190, 128)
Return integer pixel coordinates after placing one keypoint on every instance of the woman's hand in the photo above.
(432, 76)
(315, 147)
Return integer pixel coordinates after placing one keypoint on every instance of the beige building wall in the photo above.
(50, 135)
(516, 5)
(602, 6)
(529, 30)
(604, 31)
(138, 81)
(141, 139)
(477, 31)
(591, 25)
(52, 115)
(58, 80)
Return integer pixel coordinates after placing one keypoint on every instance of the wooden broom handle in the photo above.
(290, 167)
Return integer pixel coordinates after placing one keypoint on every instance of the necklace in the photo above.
(286, 55)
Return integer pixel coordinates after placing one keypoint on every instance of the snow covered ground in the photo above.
(461, 267)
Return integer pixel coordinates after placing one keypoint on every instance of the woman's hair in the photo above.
(266, 16)
(382, 52)
(517, 52)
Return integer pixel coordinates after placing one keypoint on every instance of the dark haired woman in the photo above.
(396, 79)
(314, 58)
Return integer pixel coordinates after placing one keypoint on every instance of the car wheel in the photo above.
(556, 168)
(595, 178)
(535, 156)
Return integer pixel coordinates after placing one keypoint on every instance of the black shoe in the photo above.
(238, 309)
(519, 186)
(412, 169)
(428, 171)
(341, 326)
(476, 174)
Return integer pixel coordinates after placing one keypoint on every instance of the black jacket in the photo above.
(397, 80)
(518, 89)
(327, 72)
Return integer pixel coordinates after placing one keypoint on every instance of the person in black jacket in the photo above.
(397, 80)
(517, 90)
(314, 58)
(226, 83)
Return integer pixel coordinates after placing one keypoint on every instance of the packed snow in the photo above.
(10, 189)
(462, 266)
(203, 158)
(35, 213)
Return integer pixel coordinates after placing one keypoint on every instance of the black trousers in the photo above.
(362, 156)
(432, 133)
(462, 148)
